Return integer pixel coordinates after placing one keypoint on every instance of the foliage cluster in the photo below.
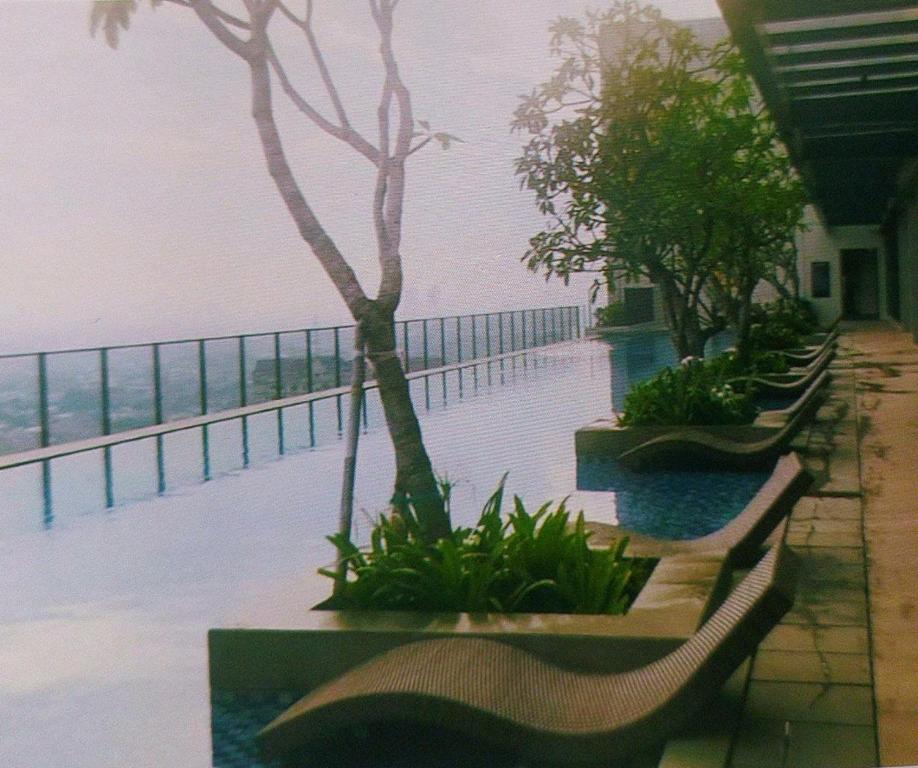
(782, 324)
(611, 315)
(693, 393)
(650, 155)
(537, 562)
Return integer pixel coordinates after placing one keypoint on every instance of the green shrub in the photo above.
(613, 314)
(694, 393)
(781, 324)
(531, 563)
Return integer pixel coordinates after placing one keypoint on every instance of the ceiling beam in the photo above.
(874, 61)
(849, 92)
(849, 44)
(843, 21)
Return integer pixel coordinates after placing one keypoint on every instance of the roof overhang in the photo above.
(840, 78)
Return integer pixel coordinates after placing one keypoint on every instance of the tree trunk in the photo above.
(684, 328)
(414, 477)
(743, 326)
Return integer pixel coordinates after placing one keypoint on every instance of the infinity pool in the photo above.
(103, 616)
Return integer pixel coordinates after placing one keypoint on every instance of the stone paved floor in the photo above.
(835, 684)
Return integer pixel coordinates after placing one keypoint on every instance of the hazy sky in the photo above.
(134, 201)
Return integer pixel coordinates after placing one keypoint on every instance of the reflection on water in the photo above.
(110, 592)
(49, 494)
(667, 503)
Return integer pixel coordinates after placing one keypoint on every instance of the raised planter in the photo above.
(605, 438)
(306, 648)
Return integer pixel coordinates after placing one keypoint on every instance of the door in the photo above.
(860, 284)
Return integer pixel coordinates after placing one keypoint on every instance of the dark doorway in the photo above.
(860, 284)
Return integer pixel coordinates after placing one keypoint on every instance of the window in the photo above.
(820, 283)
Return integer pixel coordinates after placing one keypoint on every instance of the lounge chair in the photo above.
(740, 540)
(780, 416)
(806, 355)
(688, 447)
(505, 697)
(792, 383)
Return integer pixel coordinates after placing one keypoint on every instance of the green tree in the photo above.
(650, 156)
(249, 38)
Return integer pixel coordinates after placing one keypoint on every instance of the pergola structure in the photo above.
(840, 78)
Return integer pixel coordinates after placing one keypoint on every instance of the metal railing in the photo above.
(429, 347)
(75, 394)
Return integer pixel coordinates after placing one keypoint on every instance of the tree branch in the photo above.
(334, 264)
(207, 12)
(323, 69)
(344, 133)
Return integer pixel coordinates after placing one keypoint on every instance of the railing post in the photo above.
(513, 331)
(44, 422)
(500, 333)
(243, 401)
(106, 427)
(459, 351)
(579, 328)
(475, 349)
(405, 345)
(278, 372)
(458, 338)
(279, 393)
(487, 319)
(105, 392)
(158, 419)
(202, 375)
(311, 407)
(338, 409)
(426, 353)
(442, 341)
(44, 439)
(202, 381)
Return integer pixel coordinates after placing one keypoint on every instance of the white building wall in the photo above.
(908, 267)
(819, 243)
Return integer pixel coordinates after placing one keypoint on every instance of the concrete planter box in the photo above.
(605, 438)
(305, 648)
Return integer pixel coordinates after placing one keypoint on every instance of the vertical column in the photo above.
(338, 404)
(405, 345)
(44, 438)
(443, 353)
(106, 427)
(459, 351)
(279, 393)
(202, 381)
(158, 419)
(311, 407)
(243, 401)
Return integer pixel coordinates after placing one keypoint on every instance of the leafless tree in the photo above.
(249, 37)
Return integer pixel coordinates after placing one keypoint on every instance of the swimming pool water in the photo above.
(668, 503)
(105, 614)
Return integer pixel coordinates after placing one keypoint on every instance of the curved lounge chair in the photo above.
(503, 696)
(779, 417)
(788, 384)
(693, 448)
(808, 354)
(741, 539)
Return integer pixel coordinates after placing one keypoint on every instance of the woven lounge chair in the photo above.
(740, 540)
(505, 697)
(780, 416)
(806, 355)
(691, 447)
(795, 382)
